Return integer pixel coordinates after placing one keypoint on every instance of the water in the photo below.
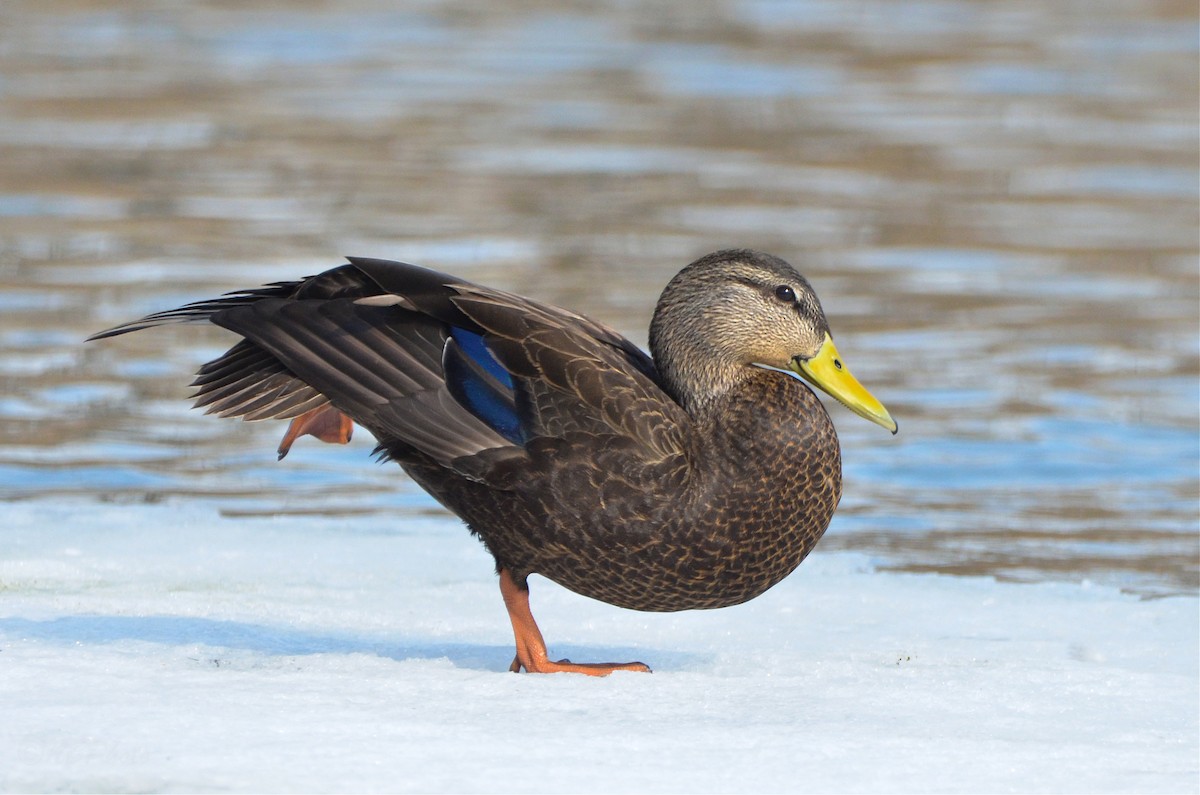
(997, 202)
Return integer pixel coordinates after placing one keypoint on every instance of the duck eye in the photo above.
(785, 294)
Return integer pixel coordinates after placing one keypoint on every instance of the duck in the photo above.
(695, 476)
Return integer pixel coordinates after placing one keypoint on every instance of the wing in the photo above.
(438, 369)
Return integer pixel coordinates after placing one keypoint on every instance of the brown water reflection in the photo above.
(996, 199)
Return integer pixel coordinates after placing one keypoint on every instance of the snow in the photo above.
(165, 647)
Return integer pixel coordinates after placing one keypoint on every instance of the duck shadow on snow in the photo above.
(287, 642)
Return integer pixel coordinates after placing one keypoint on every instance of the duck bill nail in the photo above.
(827, 372)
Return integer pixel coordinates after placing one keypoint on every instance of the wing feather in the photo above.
(452, 372)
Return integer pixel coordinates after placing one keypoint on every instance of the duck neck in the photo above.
(697, 370)
(702, 386)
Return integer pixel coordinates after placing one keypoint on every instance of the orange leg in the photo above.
(531, 648)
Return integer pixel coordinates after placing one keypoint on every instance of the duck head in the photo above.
(739, 309)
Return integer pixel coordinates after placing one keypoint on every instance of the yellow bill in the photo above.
(825, 370)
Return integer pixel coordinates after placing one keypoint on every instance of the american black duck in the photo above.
(694, 478)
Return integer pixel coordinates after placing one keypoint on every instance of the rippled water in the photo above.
(996, 200)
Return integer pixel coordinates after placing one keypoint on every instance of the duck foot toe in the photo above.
(545, 666)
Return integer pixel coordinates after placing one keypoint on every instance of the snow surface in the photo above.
(168, 648)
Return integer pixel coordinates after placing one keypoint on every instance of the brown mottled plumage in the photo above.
(695, 479)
